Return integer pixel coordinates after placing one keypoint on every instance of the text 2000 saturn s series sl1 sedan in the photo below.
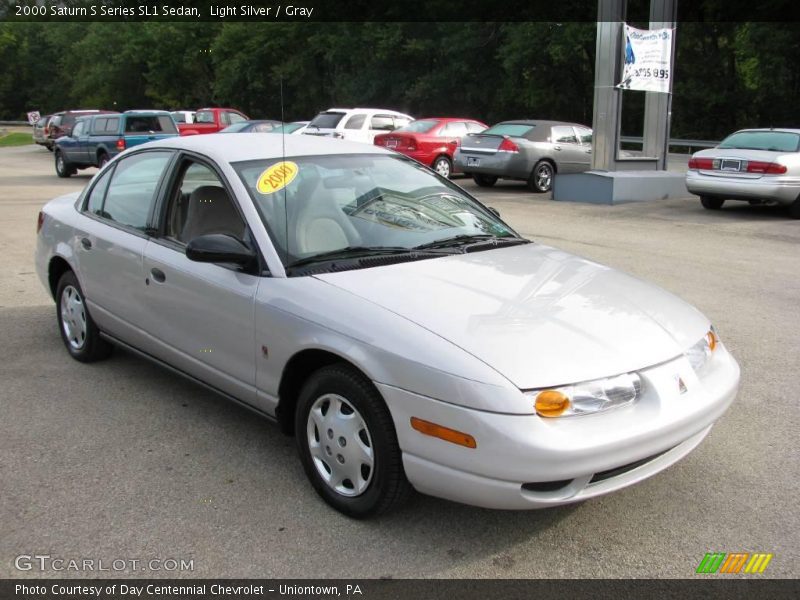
(400, 329)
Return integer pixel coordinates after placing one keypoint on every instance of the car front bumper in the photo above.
(778, 188)
(525, 461)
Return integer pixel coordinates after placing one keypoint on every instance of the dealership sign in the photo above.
(648, 60)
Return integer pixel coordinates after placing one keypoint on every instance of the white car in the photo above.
(356, 124)
(183, 116)
(406, 335)
(759, 166)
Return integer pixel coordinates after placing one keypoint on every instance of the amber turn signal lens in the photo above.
(551, 403)
(443, 433)
(712, 340)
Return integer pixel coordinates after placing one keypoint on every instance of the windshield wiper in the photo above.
(351, 252)
(465, 240)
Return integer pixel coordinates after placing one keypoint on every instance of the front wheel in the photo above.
(484, 180)
(541, 179)
(348, 444)
(78, 331)
(63, 168)
(443, 166)
(710, 203)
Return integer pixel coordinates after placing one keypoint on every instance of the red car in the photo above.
(211, 120)
(430, 141)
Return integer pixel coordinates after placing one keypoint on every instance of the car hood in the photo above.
(539, 316)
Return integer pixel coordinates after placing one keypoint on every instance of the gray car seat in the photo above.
(210, 210)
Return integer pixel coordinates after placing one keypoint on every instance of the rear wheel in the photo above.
(79, 333)
(710, 203)
(443, 166)
(348, 444)
(484, 180)
(63, 168)
(102, 159)
(794, 209)
(541, 179)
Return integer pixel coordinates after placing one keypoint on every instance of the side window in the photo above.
(235, 118)
(584, 134)
(382, 123)
(99, 126)
(78, 129)
(562, 134)
(133, 187)
(112, 125)
(94, 203)
(401, 122)
(475, 127)
(355, 122)
(200, 205)
(454, 129)
(225, 118)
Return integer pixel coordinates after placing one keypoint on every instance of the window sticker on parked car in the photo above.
(277, 177)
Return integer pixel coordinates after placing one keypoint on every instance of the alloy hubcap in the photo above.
(443, 168)
(73, 317)
(544, 176)
(340, 445)
(60, 163)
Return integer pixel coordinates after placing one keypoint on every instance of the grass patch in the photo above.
(16, 139)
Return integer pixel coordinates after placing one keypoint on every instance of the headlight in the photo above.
(699, 354)
(587, 398)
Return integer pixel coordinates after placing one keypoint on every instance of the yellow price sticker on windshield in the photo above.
(277, 177)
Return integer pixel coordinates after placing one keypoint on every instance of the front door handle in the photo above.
(158, 275)
(86, 243)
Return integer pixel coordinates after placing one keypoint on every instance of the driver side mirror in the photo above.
(220, 248)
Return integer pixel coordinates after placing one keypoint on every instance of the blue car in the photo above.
(96, 139)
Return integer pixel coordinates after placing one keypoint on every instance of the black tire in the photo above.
(102, 159)
(443, 166)
(484, 180)
(794, 209)
(63, 168)
(710, 203)
(49, 147)
(541, 178)
(385, 485)
(92, 347)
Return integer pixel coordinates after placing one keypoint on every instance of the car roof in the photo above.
(256, 146)
(146, 111)
(540, 123)
(362, 109)
(778, 129)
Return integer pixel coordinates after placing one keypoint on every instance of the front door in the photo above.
(201, 314)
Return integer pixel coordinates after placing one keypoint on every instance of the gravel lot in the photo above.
(123, 460)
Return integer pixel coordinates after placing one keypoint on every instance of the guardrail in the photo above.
(678, 143)
(15, 123)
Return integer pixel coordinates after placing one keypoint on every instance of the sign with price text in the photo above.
(648, 60)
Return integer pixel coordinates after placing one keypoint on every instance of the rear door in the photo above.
(201, 314)
(110, 237)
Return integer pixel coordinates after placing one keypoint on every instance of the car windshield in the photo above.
(237, 127)
(511, 129)
(326, 120)
(422, 126)
(313, 206)
(773, 141)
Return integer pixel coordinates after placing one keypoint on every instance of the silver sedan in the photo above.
(405, 334)
(532, 151)
(760, 166)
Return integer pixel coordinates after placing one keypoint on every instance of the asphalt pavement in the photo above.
(122, 460)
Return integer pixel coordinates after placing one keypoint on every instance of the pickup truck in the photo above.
(96, 139)
(211, 120)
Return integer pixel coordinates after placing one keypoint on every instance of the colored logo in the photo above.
(277, 177)
(734, 562)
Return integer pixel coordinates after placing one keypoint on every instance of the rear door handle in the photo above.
(158, 275)
(86, 243)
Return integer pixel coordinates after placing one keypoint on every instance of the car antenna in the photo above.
(283, 160)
